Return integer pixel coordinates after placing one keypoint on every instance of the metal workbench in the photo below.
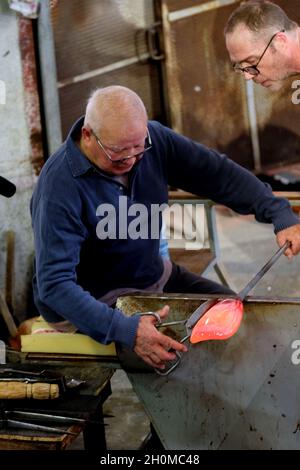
(242, 393)
(86, 403)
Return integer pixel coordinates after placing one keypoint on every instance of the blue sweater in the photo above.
(74, 267)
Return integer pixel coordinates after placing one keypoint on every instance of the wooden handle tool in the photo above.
(16, 390)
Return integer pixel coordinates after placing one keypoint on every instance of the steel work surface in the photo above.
(242, 393)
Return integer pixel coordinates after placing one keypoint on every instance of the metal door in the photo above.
(100, 43)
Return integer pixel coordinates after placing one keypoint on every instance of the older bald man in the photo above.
(263, 43)
(113, 164)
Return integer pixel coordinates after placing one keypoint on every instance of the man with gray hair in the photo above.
(112, 160)
(263, 43)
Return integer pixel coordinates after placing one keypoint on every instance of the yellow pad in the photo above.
(63, 343)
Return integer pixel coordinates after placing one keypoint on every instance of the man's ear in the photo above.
(282, 41)
(86, 133)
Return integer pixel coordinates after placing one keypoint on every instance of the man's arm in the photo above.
(59, 236)
(58, 239)
(200, 170)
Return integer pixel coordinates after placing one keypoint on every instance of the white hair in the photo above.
(113, 104)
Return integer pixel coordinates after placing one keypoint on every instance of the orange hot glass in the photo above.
(220, 322)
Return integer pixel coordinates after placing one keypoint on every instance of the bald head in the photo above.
(115, 126)
(114, 107)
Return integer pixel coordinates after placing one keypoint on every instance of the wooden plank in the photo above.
(31, 440)
(292, 196)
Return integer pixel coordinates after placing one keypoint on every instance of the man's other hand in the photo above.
(291, 234)
(153, 346)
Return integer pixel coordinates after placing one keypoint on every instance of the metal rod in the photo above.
(191, 11)
(49, 78)
(172, 323)
(35, 427)
(243, 293)
(102, 70)
(24, 372)
(44, 416)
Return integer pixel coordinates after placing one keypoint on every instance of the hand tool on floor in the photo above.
(23, 420)
(11, 423)
(39, 416)
(42, 421)
(230, 322)
(2, 352)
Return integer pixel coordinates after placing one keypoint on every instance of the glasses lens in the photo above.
(120, 161)
(251, 70)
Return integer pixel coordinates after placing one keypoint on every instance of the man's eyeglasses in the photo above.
(119, 161)
(252, 69)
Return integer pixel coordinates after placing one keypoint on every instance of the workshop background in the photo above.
(172, 53)
(50, 63)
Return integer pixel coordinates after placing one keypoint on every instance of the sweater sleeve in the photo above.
(209, 174)
(59, 236)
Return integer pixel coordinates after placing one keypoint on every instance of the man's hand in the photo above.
(291, 234)
(151, 345)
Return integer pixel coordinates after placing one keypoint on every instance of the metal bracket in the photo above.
(151, 36)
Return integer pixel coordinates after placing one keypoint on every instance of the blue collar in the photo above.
(78, 162)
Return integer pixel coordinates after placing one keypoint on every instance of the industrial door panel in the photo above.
(175, 5)
(143, 80)
(90, 34)
(207, 102)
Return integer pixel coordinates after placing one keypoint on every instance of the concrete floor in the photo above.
(130, 425)
(245, 247)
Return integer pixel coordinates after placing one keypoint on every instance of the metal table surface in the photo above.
(242, 393)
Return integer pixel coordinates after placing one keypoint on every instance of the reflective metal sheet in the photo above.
(242, 393)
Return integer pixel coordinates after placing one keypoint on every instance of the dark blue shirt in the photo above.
(74, 267)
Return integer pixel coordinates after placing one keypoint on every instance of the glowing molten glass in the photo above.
(221, 321)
